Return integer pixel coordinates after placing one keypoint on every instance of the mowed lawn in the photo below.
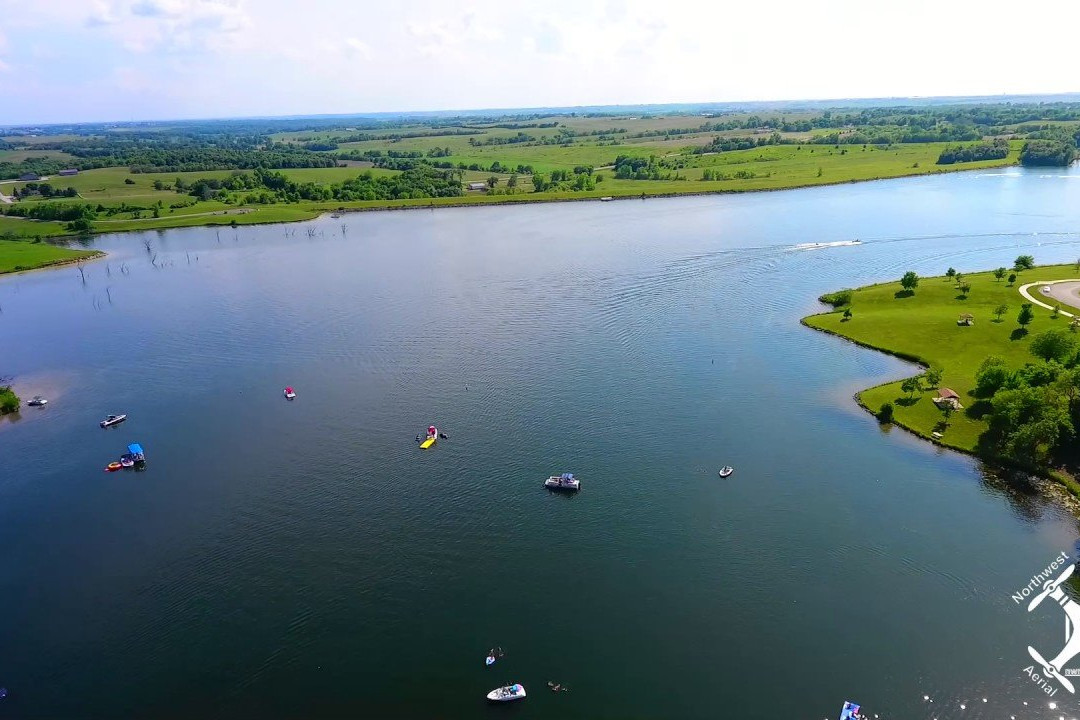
(20, 255)
(924, 325)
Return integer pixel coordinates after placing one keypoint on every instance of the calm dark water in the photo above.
(305, 559)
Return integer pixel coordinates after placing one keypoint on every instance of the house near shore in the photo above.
(69, 171)
(29, 177)
(476, 186)
(945, 396)
(966, 319)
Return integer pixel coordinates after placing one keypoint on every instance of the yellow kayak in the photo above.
(427, 443)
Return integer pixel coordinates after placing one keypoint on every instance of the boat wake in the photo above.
(819, 246)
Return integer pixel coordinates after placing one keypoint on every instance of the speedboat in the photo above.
(112, 420)
(507, 693)
(127, 461)
(38, 401)
(289, 393)
(489, 660)
(726, 471)
(566, 481)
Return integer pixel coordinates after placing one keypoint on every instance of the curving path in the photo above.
(1064, 291)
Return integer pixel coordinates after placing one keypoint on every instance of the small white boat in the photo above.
(38, 401)
(726, 471)
(507, 693)
(289, 393)
(489, 660)
(606, 198)
(566, 481)
(112, 420)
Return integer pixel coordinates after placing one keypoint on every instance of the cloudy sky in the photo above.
(85, 60)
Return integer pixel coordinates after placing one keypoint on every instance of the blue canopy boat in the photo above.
(850, 711)
(135, 452)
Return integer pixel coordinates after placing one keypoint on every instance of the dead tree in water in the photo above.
(344, 229)
(108, 270)
(146, 244)
(311, 232)
(108, 293)
(82, 273)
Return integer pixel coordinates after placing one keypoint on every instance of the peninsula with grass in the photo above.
(1000, 357)
(81, 179)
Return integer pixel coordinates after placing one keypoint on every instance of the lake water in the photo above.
(305, 559)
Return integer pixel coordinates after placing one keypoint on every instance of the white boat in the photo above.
(38, 401)
(112, 420)
(606, 198)
(289, 393)
(566, 481)
(726, 471)
(507, 693)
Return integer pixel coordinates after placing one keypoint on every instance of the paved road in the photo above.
(1062, 291)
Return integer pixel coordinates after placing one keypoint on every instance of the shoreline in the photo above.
(53, 264)
(1061, 478)
(313, 211)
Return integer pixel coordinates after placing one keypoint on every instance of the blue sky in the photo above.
(88, 60)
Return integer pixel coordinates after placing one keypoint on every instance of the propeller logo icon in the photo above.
(1055, 667)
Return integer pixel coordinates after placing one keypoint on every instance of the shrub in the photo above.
(885, 413)
(837, 299)
(9, 401)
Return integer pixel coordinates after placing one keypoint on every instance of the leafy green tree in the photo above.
(992, 375)
(950, 273)
(1012, 278)
(9, 401)
(1030, 421)
(492, 182)
(910, 386)
(965, 289)
(513, 181)
(1001, 310)
(947, 411)
(885, 413)
(933, 377)
(847, 314)
(1000, 273)
(910, 281)
(1026, 315)
(1023, 262)
(1054, 344)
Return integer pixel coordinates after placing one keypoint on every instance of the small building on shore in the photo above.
(966, 319)
(69, 171)
(29, 177)
(946, 396)
(476, 186)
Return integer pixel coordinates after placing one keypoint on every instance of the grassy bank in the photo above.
(778, 167)
(922, 327)
(18, 255)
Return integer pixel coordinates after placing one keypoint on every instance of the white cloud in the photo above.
(101, 14)
(357, 48)
(221, 57)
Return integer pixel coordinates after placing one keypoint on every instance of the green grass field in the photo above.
(924, 326)
(19, 255)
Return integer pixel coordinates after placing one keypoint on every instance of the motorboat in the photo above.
(566, 481)
(289, 393)
(112, 420)
(489, 660)
(38, 401)
(431, 439)
(507, 693)
(726, 471)
(127, 461)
